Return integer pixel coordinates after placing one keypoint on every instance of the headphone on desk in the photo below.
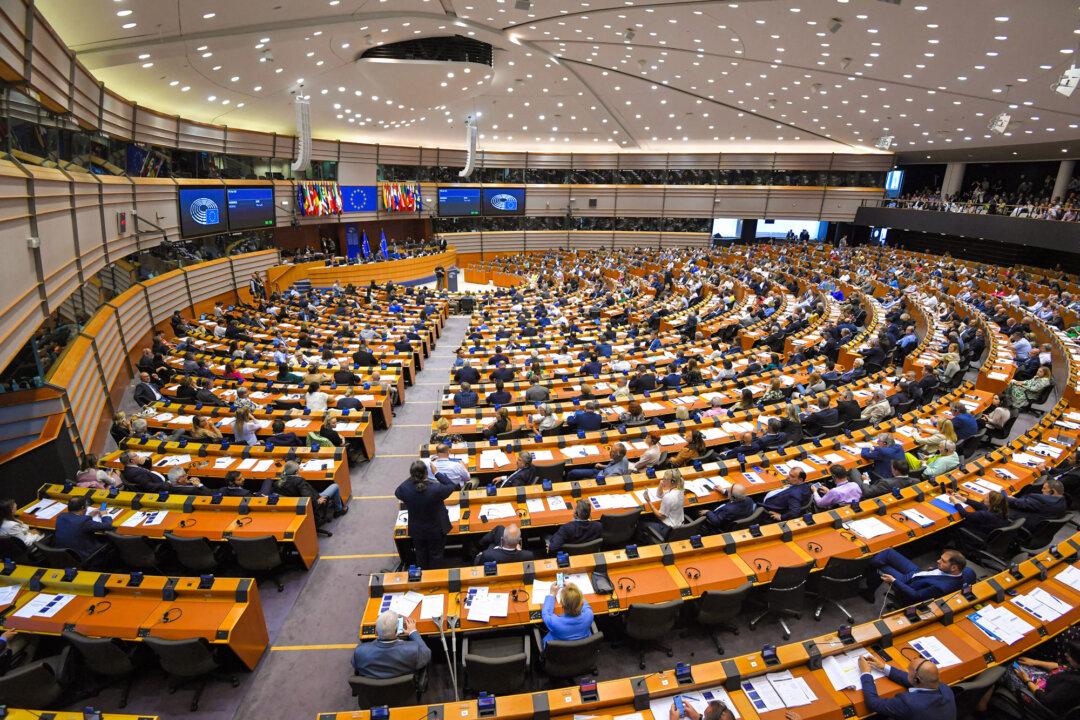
(692, 573)
(517, 595)
(626, 584)
(97, 607)
(758, 564)
(187, 522)
(813, 547)
(242, 521)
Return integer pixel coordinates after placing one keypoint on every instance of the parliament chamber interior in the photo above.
(614, 359)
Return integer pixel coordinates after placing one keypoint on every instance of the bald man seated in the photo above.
(927, 698)
(390, 656)
(507, 548)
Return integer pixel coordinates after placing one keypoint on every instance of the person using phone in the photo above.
(927, 698)
(78, 528)
(577, 619)
(390, 655)
(715, 710)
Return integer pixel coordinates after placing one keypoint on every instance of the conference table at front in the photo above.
(1004, 616)
(224, 611)
(686, 568)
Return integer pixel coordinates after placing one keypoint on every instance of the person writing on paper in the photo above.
(576, 621)
(390, 656)
(670, 510)
(911, 584)
(927, 698)
(77, 529)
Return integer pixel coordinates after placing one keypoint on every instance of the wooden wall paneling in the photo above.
(51, 67)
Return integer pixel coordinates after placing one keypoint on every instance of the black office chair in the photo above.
(188, 661)
(646, 624)
(857, 424)
(967, 694)
(555, 472)
(970, 445)
(1039, 399)
(618, 529)
(904, 407)
(194, 554)
(563, 661)
(497, 665)
(840, 578)
(1044, 534)
(57, 558)
(785, 595)
(682, 532)
(14, 549)
(826, 431)
(400, 690)
(993, 549)
(39, 684)
(584, 548)
(715, 608)
(261, 556)
(136, 552)
(105, 658)
(751, 519)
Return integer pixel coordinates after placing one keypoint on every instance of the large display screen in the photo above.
(250, 207)
(779, 228)
(503, 201)
(359, 198)
(459, 201)
(894, 181)
(203, 211)
(727, 227)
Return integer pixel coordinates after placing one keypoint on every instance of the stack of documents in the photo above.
(933, 649)
(1042, 604)
(145, 518)
(918, 517)
(497, 511)
(45, 509)
(483, 605)
(843, 670)
(401, 603)
(541, 588)
(308, 466)
(44, 605)
(1070, 576)
(614, 501)
(697, 699)
(777, 690)
(868, 528)
(1001, 624)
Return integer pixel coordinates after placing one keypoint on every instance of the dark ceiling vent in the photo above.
(454, 48)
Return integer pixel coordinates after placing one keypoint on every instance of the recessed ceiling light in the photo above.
(1002, 18)
(257, 88)
(123, 13)
(174, 83)
(144, 56)
(148, 64)
(212, 98)
(207, 54)
(185, 88)
(128, 26)
(208, 16)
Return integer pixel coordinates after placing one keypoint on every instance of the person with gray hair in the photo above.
(878, 409)
(138, 426)
(390, 656)
(180, 482)
(291, 484)
(723, 517)
(945, 461)
(506, 546)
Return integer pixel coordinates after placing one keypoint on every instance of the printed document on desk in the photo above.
(541, 588)
(843, 670)
(697, 699)
(44, 605)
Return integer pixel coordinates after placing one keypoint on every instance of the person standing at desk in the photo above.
(576, 621)
(77, 529)
(429, 522)
(390, 657)
(927, 698)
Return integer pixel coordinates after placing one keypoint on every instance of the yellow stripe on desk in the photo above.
(293, 648)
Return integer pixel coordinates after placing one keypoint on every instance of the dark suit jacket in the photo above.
(587, 421)
(814, 421)
(77, 532)
(467, 374)
(143, 480)
(284, 439)
(574, 532)
(144, 393)
(364, 358)
(501, 555)
(346, 377)
(789, 501)
(206, 397)
(723, 516)
(427, 513)
(348, 403)
(848, 410)
(939, 704)
(1036, 508)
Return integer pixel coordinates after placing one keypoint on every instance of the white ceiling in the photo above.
(749, 76)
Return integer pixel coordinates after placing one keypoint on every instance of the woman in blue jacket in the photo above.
(576, 621)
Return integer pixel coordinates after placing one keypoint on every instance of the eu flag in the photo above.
(365, 248)
(382, 244)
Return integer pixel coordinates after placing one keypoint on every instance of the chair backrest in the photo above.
(749, 519)
(650, 621)
(970, 445)
(101, 656)
(135, 551)
(570, 658)
(188, 658)
(257, 554)
(371, 692)
(555, 472)
(500, 675)
(688, 530)
(842, 577)
(831, 430)
(618, 528)
(58, 558)
(33, 685)
(1044, 534)
(1000, 539)
(1043, 395)
(719, 606)
(584, 548)
(194, 553)
(788, 587)
(858, 424)
(12, 547)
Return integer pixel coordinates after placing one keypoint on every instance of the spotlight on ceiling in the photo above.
(628, 36)
(523, 4)
(835, 24)
(884, 142)
(1000, 123)
(1068, 82)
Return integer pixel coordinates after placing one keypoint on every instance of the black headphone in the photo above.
(97, 607)
(187, 522)
(516, 595)
(692, 573)
(758, 562)
(813, 547)
(629, 586)
(242, 521)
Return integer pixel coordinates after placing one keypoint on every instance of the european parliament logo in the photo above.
(504, 202)
(204, 211)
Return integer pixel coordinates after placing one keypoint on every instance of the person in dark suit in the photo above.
(280, 438)
(885, 453)
(813, 422)
(344, 376)
(77, 529)
(1037, 508)
(390, 657)
(348, 401)
(234, 485)
(147, 391)
(507, 549)
(499, 396)
(722, 518)
(927, 697)
(911, 584)
(847, 408)
(502, 373)
(579, 530)
(467, 374)
(644, 380)
(466, 397)
(524, 474)
(139, 477)
(588, 419)
(205, 394)
(364, 358)
(787, 502)
(429, 522)
(899, 480)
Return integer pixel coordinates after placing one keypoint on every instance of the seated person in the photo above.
(466, 397)
(945, 461)
(183, 484)
(843, 491)
(280, 438)
(579, 530)
(348, 401)
(787, 502)
(964, 423)
(1037, 508)
(1055, 685)
(138, 476)
(900, 479)
(715, 710)
(878, 409)
(980, 519)
(524, 475)
(911, 584)
(618, 465)
(722, 518)
(499, 396)
(291, 484)
(927, 697)
(454, 470)
(669, 513)
(507, 548)
(847, 407)
(389, 656)
(77, 529)
(748, 445)
(885, 452)
(588, 419)
(576, 621)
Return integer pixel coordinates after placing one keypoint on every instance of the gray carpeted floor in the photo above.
(314, 623)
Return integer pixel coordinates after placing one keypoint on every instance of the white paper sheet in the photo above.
(221, 463)
(761, 695)
(697, 699)
(44, 605)
(918, 517)
(843, 670)
(432, 606)
(868, 528)
(933, 649)
(556, 502)
(1070, 576)
(8, 593)
(542, 455)
(404, 603)
(541, 588)
(535, 505)
(317, 465)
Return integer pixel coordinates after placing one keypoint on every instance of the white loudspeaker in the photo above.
(303, 134)
(470, 139)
